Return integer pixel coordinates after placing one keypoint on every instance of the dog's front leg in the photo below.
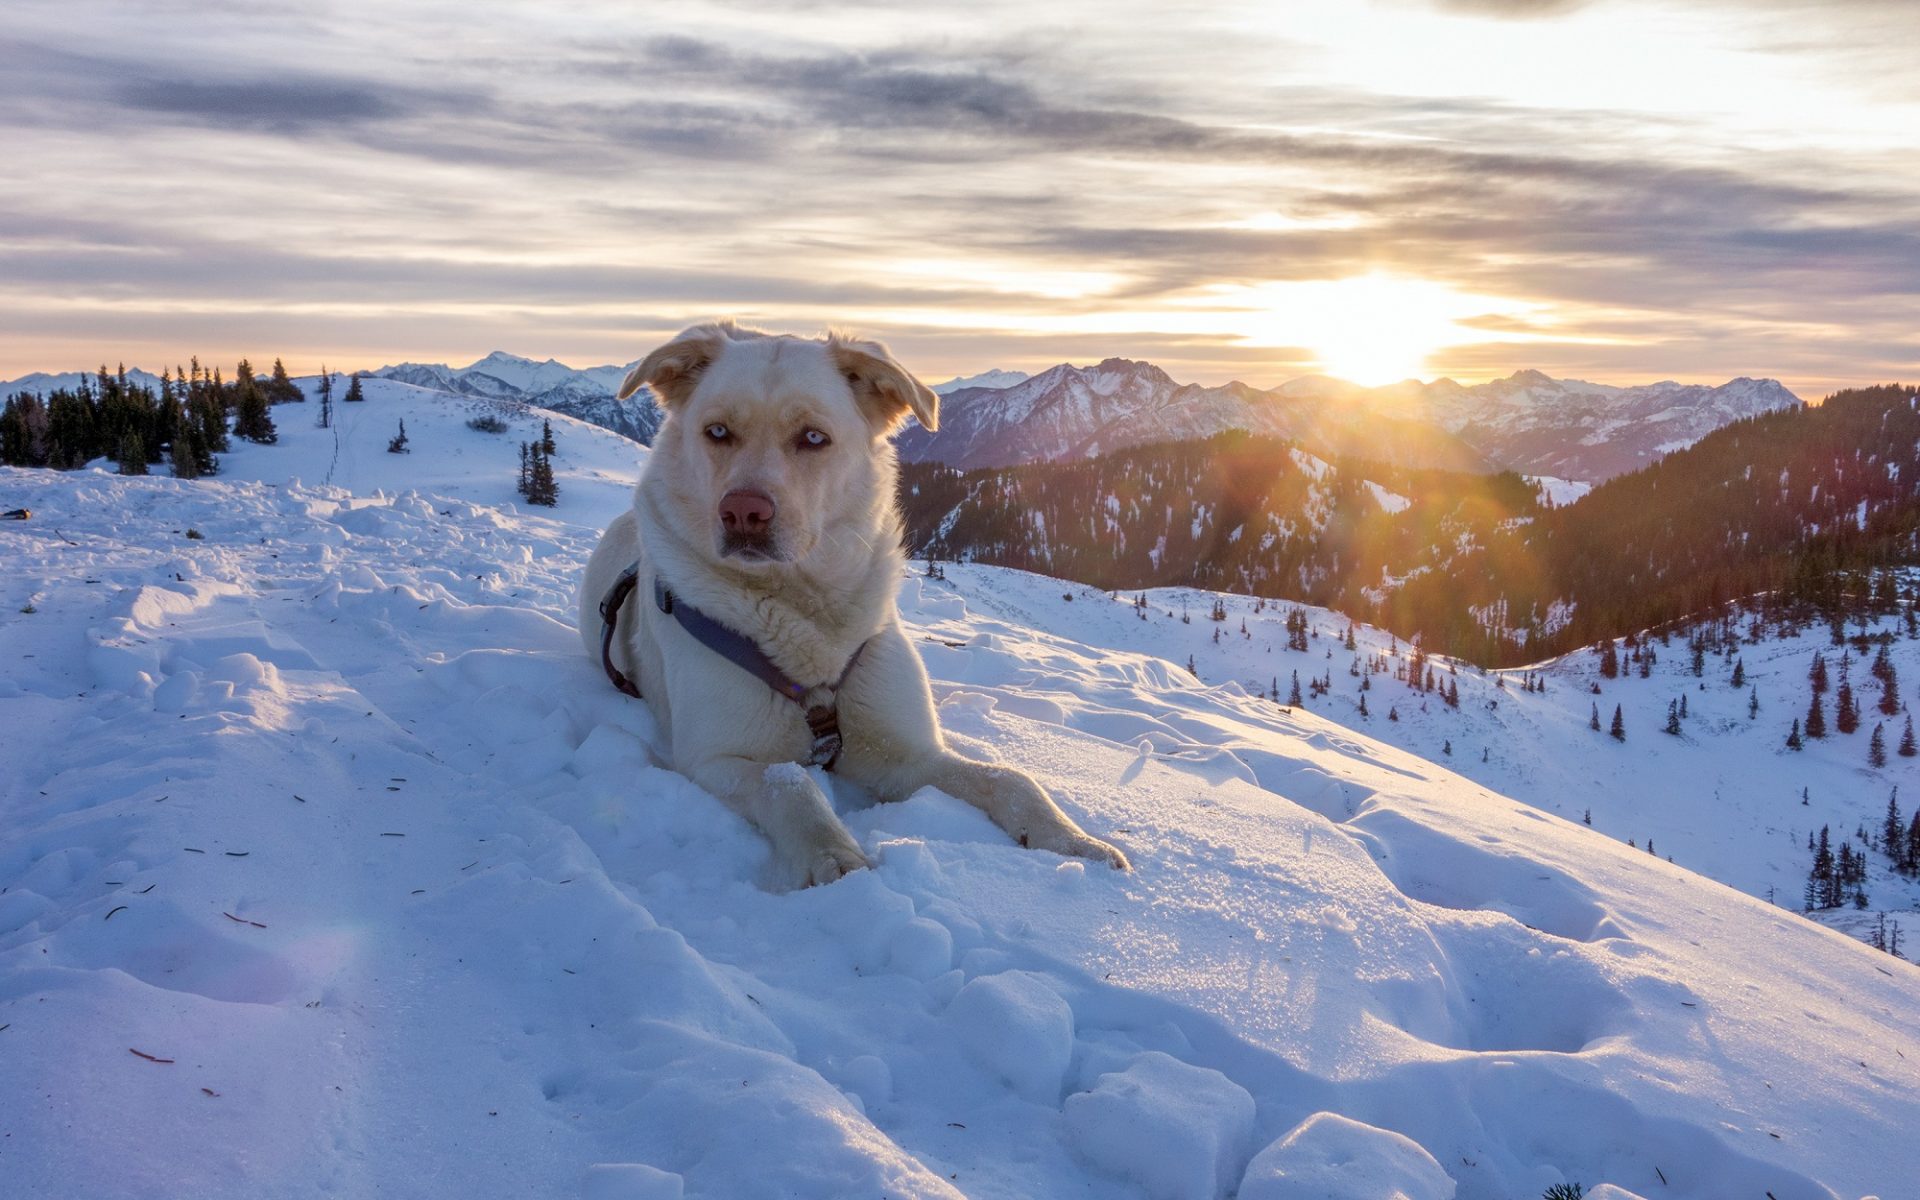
(1018, 805)
(810, 845)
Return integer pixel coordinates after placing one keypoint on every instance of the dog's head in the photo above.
(776, 444)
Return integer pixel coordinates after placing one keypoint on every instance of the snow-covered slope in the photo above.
(594, 467)
(584, 393)
(1723, 798)
(332, 867)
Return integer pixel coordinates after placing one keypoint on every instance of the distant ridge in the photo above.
(1528, 422)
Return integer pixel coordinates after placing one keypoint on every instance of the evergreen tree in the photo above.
(1793, 736)
(526, 479)
(1889, 690)
(282, 390)
(1673, 718)
(1593, 722)
(398, 444)
(1816, 718)
(132, 455)
(1893, 832)
(251, 420)
(1753, 703)
(542, 489)
(1907, 747)
(1739, 674)
(1913, 842)
(547, 447)
(1293, 694)
(1619, 727)
(354, 394)
(326, 398)
(1846, 718)
(1877, 747)
(1609, 659)
(1817, 674)
(1363, 705)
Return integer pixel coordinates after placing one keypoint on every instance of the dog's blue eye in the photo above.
(718, 432)
(813, 439)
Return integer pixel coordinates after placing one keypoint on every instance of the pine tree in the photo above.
(280, 389)
(1673, 718)
(526, 479)
(1913, 842)
(132, 454)
(1877, 747)
(1889, 690)
(543, 490)
(1609, 659)
(1619, 727)
(251, 420)
(1793, 737)
(1846, 718)
(1817, 674)
(1739, 679)
(1816, 718)
(1447, 748)
(1907, 748)
(326, 398)
(354, 394)
(1683, 706)
(547, 447)
(1293, 694)
(398, 444)
(1893, 833)
(1593, 722)
(1363, 705)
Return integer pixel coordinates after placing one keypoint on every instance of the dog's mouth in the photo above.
(749, 548)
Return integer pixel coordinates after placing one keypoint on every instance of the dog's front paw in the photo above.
(822, 858)
(1069, 839)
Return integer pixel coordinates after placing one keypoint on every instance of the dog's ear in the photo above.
(673, 369)
(886, 390)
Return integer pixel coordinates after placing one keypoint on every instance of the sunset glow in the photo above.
(1609, 189)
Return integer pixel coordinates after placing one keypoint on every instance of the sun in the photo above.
(1367, 329)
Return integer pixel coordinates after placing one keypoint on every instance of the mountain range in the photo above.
(1526, 422)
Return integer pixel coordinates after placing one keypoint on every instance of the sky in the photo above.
(1614, 190)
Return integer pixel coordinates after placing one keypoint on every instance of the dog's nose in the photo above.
(746, 512)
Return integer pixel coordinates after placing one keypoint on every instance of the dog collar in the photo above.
(819, 703)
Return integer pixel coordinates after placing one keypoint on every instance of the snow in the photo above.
(327, 814)
(1330, 1157)
(1559, 492)
(1179, 1131)
(995, 377)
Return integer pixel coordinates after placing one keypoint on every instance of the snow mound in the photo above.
(1329, 1157)
(1179, 1131)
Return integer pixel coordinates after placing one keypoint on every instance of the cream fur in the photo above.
(829, 590)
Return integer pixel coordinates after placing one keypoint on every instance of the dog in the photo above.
(765, 523)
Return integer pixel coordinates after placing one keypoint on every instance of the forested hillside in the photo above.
(1807, 504)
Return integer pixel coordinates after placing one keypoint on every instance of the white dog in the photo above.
(765, 551)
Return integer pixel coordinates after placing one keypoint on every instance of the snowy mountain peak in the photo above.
(995, 378)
